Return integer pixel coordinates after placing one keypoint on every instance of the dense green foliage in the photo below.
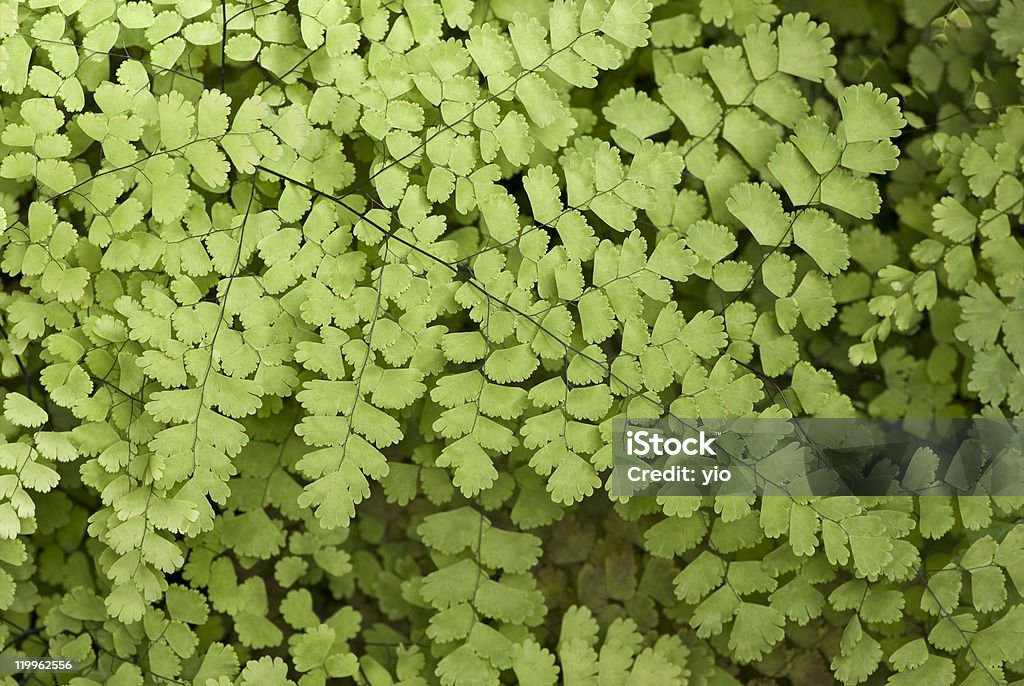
(316, 315)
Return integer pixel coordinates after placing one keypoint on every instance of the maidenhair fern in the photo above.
(317, 315)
